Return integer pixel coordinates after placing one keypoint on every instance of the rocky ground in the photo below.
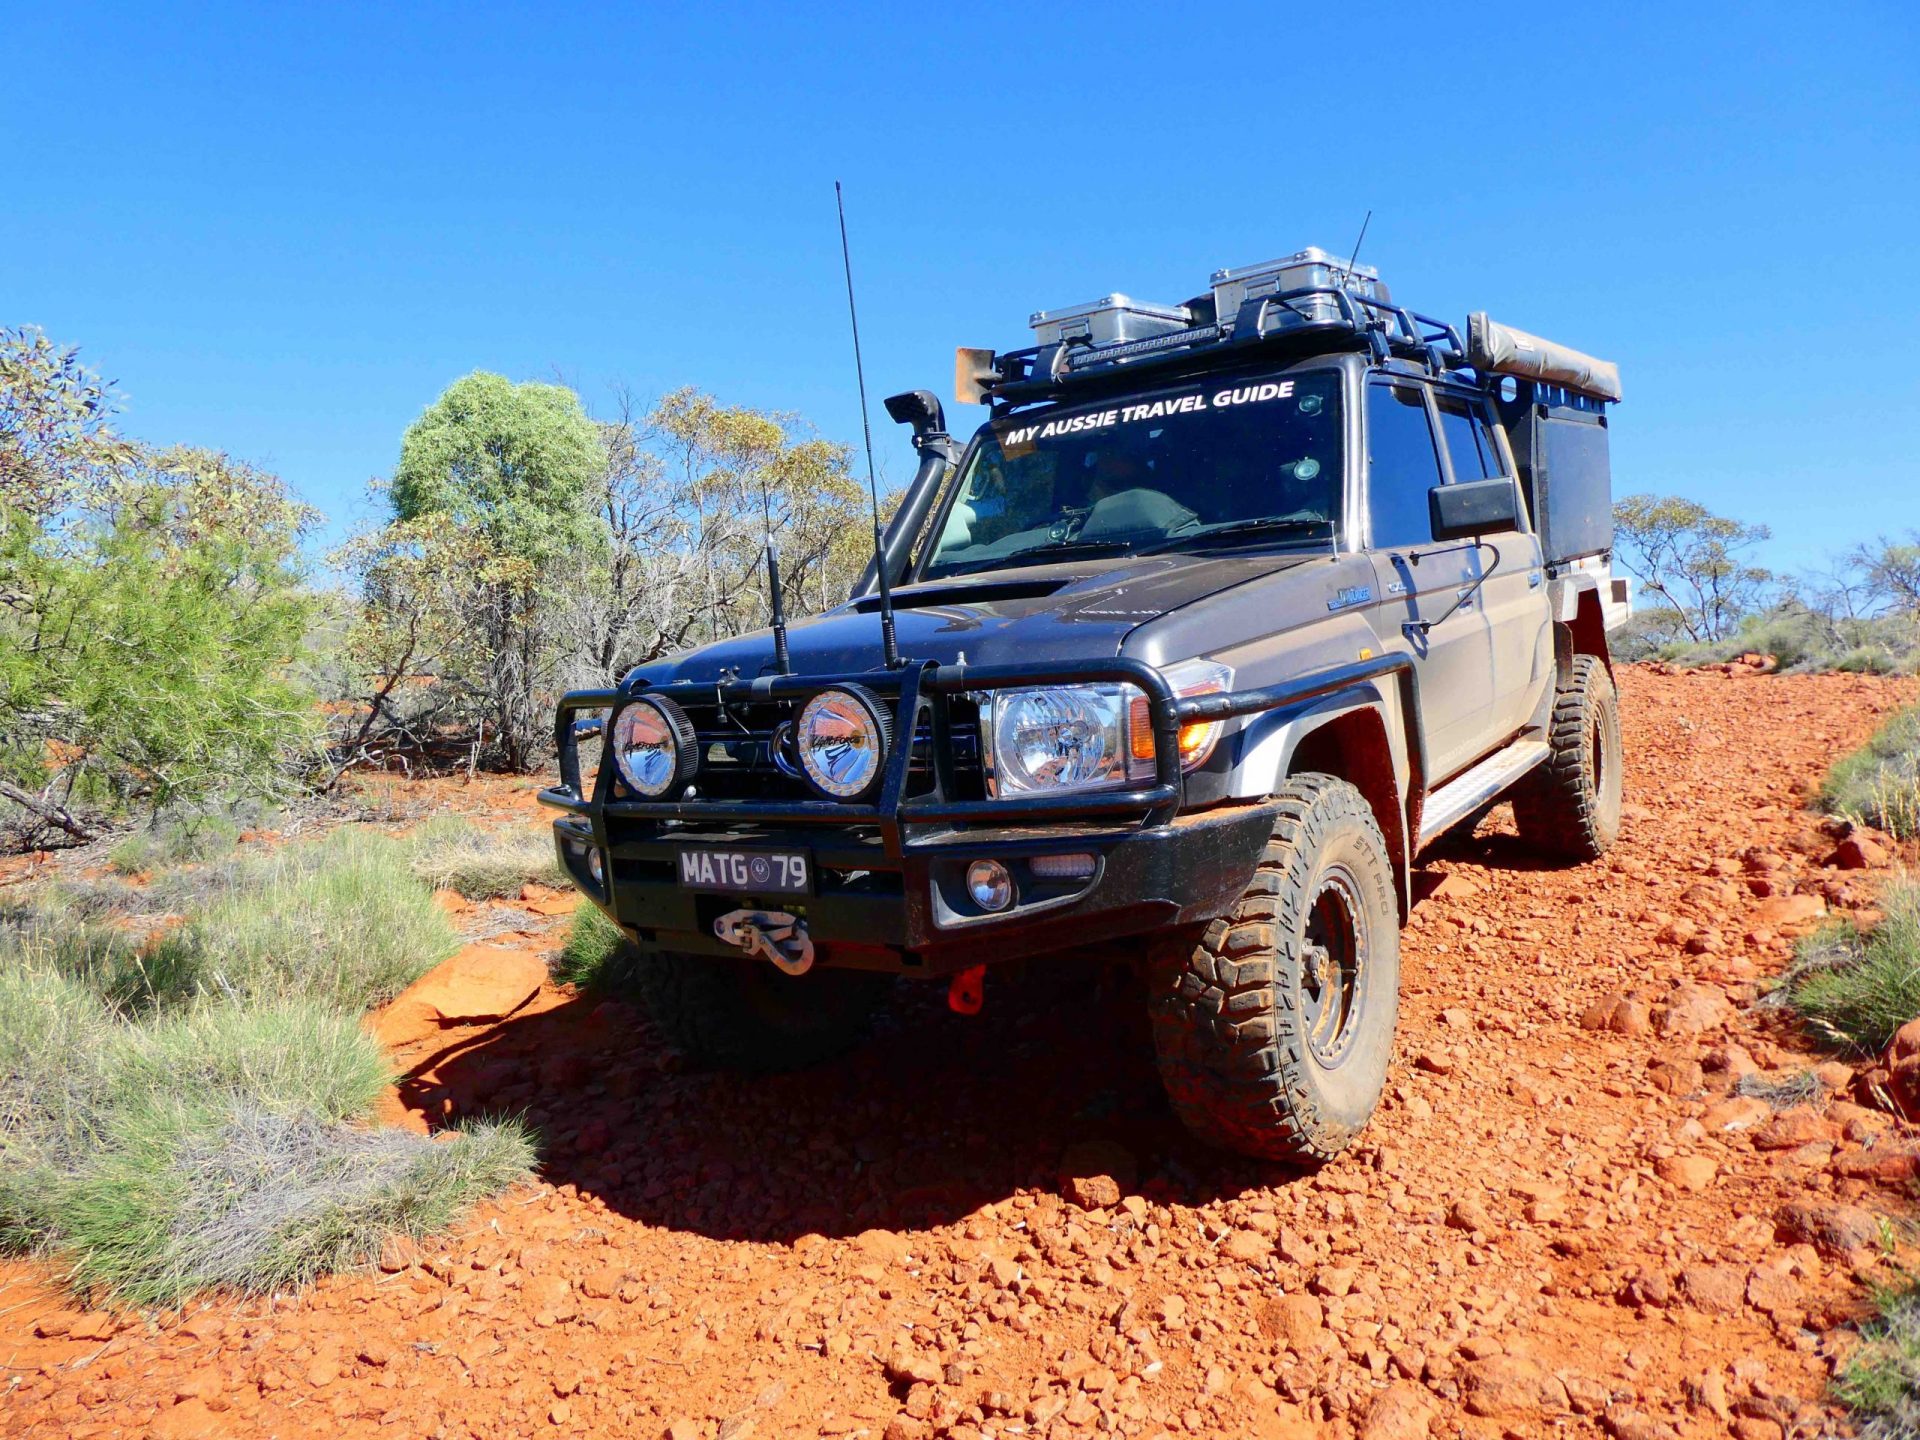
(1605, 1192)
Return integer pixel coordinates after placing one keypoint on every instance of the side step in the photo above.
(1471, 789)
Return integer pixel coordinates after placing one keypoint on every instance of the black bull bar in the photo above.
(913, 688)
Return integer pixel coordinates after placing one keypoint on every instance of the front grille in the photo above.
(736, 757)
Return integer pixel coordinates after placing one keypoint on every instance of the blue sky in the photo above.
(285, 229)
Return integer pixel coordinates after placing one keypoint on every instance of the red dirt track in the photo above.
(1548, 1228)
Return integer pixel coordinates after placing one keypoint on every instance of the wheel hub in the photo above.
(1333, 970)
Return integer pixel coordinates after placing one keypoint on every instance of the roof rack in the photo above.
(1313, 317)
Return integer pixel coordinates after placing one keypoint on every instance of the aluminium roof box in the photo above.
(1108, 321)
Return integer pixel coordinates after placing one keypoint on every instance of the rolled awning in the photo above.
(1493, 348)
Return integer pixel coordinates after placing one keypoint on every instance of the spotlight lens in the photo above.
(989, 884)
(648, 749)
(842, 740)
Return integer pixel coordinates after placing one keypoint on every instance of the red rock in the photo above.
(1690, 1009)
(1094, 1174)
(1296, 1321)
(1790, 912)
(1834, 1229)
(1714, 1288)
(1793, 1128)
(1738, 1112)
(1622, 1014)
(912, 1367)
(1857, 852)
(1686, 1172)
(1772, 1290)
(1402, 1411)
(1247, 1246)
(1510, 1387)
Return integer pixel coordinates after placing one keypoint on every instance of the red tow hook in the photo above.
(967, 991)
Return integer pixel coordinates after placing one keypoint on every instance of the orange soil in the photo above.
(1559, 1220)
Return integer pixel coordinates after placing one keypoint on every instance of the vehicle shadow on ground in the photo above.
(937, 1115)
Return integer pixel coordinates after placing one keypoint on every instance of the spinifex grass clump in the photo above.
(1857, 989)
(191, 1114)
(450, 853)
(1879, 784)
(175, 840)
(591, 956)
(1881, 1383)
(340, 923)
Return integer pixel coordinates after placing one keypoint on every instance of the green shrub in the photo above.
(1881, 1382)
(180, 840)
(340, 922)
(1857, 990)
(285, 1057)
(450, 853)
(1806, 641)
(592, 956)
(1879, 784)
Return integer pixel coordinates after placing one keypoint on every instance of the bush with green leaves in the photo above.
(1881, 1380)
(1855, 990)
(1879, 784)
(154, 604)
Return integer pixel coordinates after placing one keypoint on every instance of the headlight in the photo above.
(1083, 737)
(842, 737)
(1065, 737)
(655, 747)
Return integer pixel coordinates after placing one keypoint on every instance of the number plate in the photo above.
(747, 872)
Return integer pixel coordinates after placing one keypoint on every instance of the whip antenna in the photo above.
(889, 644)
(1354, 258)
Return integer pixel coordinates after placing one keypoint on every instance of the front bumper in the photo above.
(889, 892)
(869, 912)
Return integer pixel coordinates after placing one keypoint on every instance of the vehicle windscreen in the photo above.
(1251, 460)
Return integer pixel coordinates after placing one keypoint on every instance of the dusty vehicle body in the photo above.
(1228, 610)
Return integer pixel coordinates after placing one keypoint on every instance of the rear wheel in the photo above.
(1570, 806)
(747, 1015)
(1273, 1026)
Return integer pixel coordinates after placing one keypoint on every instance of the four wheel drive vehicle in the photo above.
(1227, 610)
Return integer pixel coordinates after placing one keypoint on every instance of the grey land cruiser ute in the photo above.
(1228, 609)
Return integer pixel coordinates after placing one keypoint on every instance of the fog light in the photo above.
(1063, 867)
(596, 867)
(989, 884)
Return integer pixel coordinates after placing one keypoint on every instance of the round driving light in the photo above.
(596, 867)
(842, 736)
(655, 747)
(989, 884)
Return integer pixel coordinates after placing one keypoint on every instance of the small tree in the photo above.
(1692, 561)
(148, 636)
(493, 515)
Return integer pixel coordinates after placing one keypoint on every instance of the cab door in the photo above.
(1513, 596)
(1420, 585)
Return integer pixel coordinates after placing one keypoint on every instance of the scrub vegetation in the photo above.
(592, 956)
(191, 1111)
(1879, 785)
(1881, 1382)
(450, 853)
(1854, 988)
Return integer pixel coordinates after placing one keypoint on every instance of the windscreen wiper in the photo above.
(1239, 529)
(1052, 549)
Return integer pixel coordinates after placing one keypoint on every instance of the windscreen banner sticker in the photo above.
(1135, 414)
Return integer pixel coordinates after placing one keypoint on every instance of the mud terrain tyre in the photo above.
(1273, 1026)
(747, 1015)
(1570, 806)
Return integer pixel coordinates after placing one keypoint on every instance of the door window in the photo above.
(1469, 447)
(1403, 466)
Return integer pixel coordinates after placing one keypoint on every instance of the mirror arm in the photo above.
(1424, 626)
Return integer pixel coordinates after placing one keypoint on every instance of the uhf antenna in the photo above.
(1354, 258)
(889, 645)
(780, 660)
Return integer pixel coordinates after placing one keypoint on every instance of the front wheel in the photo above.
(1274, 1025)
(1570, 806)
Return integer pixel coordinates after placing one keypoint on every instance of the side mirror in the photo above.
(1474, 507)
(973, 372)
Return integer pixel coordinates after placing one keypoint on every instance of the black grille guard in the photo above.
(912, 688)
